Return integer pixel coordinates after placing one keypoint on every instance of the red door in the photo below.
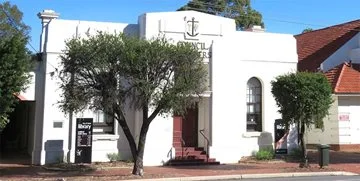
(190, 127)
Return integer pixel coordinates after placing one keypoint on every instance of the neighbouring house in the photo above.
(234, 118)
(335, 50)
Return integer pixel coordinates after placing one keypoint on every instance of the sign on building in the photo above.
(281, 135)
(83, 142)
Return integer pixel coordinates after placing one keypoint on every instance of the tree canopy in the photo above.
(307, 30)
(11, 21)
(239, 10)
(14, 58)
(304, 99)
(112, 72)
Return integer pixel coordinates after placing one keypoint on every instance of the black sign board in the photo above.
(83, 140)
(281, 135)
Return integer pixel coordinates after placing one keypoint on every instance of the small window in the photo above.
(254, 104)
(57, 124)
(103, 123)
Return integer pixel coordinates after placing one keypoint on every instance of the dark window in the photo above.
(103, 123)
(253, 105)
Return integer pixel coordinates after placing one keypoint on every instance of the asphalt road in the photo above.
(317, 178)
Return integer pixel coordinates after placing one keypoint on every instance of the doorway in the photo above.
(17, 137)
(190, 127)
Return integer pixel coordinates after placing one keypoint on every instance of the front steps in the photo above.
(191, 156)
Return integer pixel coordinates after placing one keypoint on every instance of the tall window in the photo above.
(253, 104)
(103, 123)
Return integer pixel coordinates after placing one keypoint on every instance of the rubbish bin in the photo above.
(323, 155)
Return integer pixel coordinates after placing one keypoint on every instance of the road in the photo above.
(317, 178)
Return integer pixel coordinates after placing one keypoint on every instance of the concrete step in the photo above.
(192, 162)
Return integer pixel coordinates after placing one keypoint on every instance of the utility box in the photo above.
(323, 155)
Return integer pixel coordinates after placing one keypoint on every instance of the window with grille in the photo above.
(253, 105)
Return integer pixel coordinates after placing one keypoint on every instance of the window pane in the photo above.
(251, 109)
(103, 123)
(99, 117)
(257, 90)
(257, 108)
(258, 98)
(254, 103)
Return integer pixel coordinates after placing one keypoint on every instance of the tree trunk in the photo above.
(138, 164)
(122, 121)
(305, 162)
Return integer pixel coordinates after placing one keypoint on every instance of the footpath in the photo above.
(341, 163)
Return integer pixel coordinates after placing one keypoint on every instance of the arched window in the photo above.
(253, 104)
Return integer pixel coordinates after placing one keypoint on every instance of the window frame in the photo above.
(105, 125)
(254, 102)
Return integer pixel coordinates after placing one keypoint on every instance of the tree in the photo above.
(240, 10)
(304, 100)
(14, 58)
(112, 72)
(11, 21)
(307, 30)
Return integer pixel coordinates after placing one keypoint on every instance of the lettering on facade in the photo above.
(344, 117)
(202, 47)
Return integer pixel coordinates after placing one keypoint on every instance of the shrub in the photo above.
(113, 157)
(265, 154)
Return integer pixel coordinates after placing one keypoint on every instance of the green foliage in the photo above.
(114, 73)
(113, 157)
(304, 99)
(240, 10)
(11, 21)
(109, 70)
(265, 154)
(307, 30)
(14, 59)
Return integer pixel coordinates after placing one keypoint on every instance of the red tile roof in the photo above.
(345, 78)
(315, 46)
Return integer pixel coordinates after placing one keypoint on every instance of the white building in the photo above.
(237, 113)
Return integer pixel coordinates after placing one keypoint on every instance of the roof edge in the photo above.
(328, 27)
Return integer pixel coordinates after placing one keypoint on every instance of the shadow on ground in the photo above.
(10, 170)
(335, 157)
(217, 167)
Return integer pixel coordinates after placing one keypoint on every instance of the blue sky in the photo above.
(280, 16)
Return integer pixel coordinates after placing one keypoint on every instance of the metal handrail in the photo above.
(207, 144)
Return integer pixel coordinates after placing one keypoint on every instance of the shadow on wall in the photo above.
(292, 140)
(265, 140)
(131, 30)
(54, 151)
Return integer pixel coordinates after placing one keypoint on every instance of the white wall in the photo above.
(349, 130)
(52, 143)
(172, 25)
(237, 56)
(344, 53)
(204, 120)
(339, 131)
(235, 61)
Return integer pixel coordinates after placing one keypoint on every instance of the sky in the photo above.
(279, 16)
